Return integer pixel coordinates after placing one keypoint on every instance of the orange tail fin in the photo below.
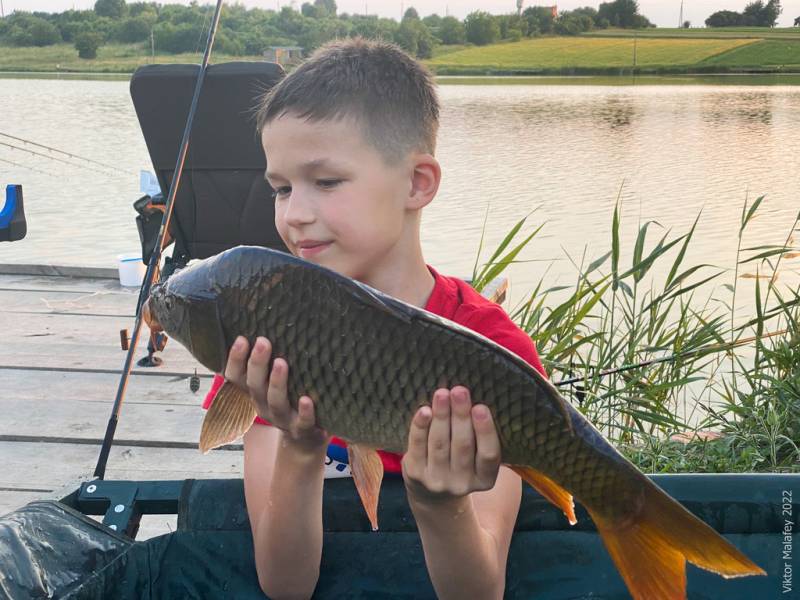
(651, 551)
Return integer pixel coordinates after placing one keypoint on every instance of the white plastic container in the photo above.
(131, 270)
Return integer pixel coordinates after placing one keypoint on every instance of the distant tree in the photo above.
(769, 15)
(481, 28)
(411, 13)
(43, 33)
(687, 24)
(308, 10)
(87, 43)
(622, 13)
(797, 22)
(328, 6)
(432, 22)
(415, 38)
(132, 29)
(452, 31)
(724, 18)
(752, 13)
(539, 20)
(114, 9)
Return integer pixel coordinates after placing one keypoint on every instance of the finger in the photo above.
(237, 359)
(487, 454)
(257, 365)
(462, 433)
(306, 418)
(417, 450)
(277, 396)
(439, 435)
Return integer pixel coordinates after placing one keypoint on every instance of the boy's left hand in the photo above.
(453, 448)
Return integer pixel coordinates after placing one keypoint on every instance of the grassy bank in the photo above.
(112, 58)
(607, 52)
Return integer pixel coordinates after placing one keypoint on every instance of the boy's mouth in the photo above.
(308, 248)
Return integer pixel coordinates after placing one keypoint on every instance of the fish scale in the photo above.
(369, 361)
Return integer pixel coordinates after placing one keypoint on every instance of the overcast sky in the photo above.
(664, 13)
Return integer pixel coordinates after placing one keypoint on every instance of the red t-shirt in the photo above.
(453, 299)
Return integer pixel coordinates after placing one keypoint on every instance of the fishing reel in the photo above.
(156, 343)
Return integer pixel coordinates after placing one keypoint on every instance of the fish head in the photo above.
(186, 308)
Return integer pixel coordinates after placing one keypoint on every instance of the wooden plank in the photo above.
(96, 390)
(70, 341)
(53, 301)
(63, 284)
(50, 466)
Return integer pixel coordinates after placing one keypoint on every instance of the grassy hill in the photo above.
(609, 51)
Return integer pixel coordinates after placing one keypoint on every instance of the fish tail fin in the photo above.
(651, 550)
(230, 415)
(548, 488)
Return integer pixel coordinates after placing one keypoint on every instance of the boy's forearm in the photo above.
(288, 539)
(461, 556)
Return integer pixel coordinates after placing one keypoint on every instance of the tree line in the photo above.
(755, 14)
(174, 28)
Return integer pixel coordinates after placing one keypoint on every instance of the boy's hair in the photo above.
(387, 92)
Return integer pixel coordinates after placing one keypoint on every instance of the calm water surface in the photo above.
(566, 151)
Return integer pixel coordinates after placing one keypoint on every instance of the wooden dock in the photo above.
(60, 365)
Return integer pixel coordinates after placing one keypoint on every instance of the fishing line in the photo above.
(70, 154)
(61, 160)
(704, 349)
(155, 257)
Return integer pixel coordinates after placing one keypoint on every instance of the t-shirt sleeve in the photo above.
(491, 321)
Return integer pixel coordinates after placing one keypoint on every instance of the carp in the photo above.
(348, 344)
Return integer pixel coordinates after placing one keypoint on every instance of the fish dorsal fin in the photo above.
(367, 469)
(372, 297)
(548, 488)
(230, 415)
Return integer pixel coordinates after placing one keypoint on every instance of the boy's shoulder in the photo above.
(454, 299)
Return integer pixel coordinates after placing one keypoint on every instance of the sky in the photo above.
(664, 13)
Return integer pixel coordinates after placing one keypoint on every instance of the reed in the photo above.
(736, 377)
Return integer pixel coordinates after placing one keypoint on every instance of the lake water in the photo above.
(668, 150)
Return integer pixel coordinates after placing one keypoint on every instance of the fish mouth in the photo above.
(149, 318)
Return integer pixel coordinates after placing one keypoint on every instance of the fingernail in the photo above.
(238, 344)
(481, 412)
(425, 412)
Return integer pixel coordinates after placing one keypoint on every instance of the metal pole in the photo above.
(155, 258)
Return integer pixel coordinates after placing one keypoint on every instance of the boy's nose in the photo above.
(299, 211)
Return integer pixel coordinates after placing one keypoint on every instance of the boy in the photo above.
(349, 138)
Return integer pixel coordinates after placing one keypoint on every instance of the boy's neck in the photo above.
(408, 280)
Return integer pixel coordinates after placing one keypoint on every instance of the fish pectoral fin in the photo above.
(650, 549)
(230, 415)
(548, 488)
(366, 467)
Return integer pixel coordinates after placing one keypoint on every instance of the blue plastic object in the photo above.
(12, 216)
(9, 207)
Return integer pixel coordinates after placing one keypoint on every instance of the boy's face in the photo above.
(337, 204)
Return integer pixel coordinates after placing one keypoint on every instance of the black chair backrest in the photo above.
(223, 200)
(13, 226)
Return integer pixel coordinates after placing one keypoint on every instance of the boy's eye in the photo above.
(282, 191)
(328, 183)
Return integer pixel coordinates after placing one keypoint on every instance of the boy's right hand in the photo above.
(270, 396)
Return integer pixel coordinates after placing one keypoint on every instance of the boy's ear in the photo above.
(425, 177)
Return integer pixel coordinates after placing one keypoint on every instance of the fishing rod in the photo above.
(16, 164)
(155, 258)
(47, 156)
(70, 154)
(702, 350)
